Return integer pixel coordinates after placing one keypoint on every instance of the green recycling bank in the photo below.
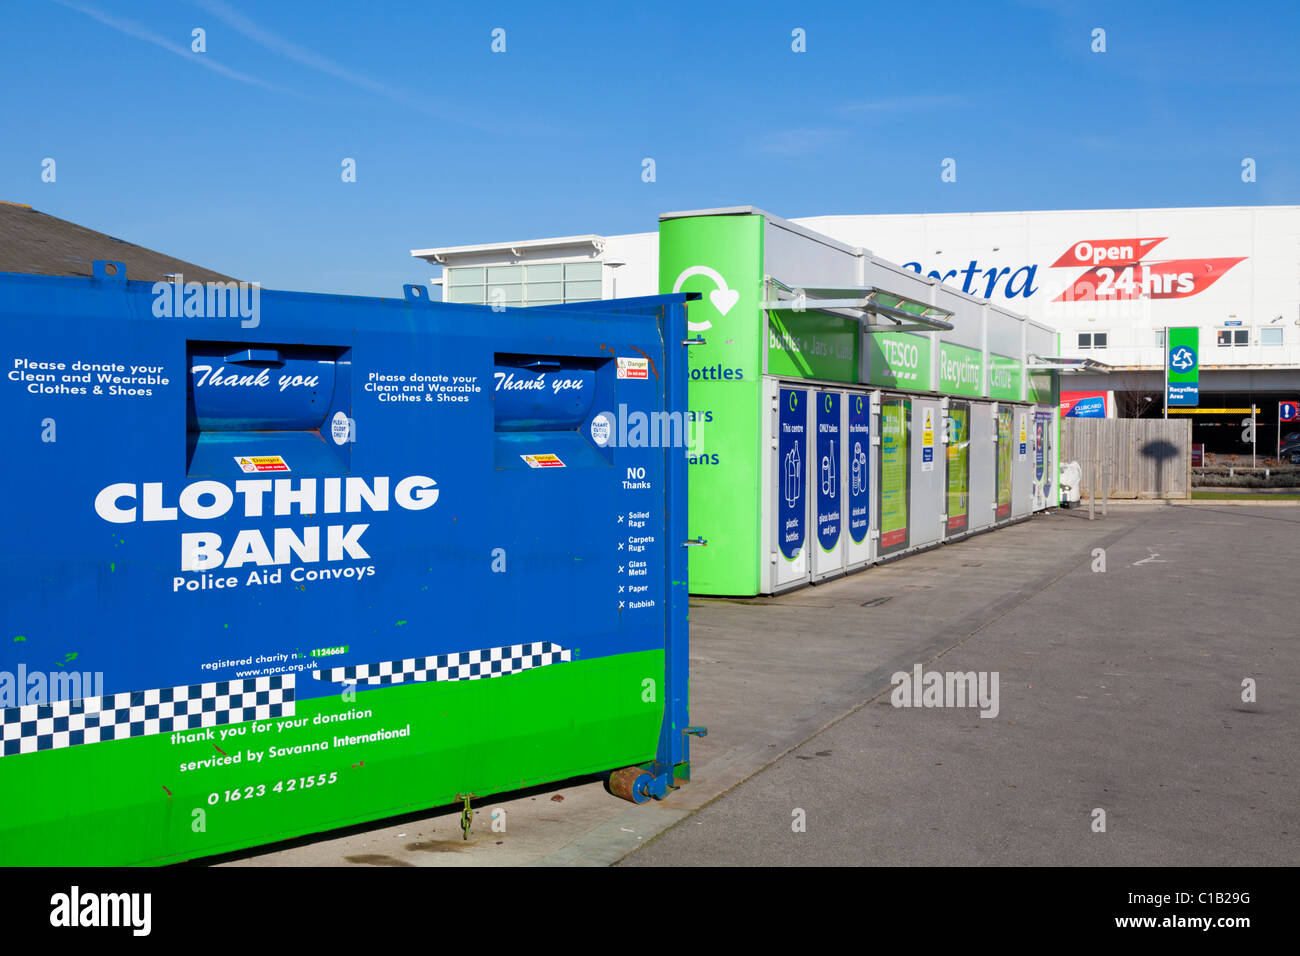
(844, 409)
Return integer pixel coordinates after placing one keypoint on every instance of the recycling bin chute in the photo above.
(249, 410)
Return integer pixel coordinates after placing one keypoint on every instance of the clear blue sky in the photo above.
(231, 158)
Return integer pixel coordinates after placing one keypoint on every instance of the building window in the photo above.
(1092, 340)
(549, 283)
(1160, 339)
(1270, 337)
(1234, 338)
(464, 284)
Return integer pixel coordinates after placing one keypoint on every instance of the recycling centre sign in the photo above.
(1183, 366)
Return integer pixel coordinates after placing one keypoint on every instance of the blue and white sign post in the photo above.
(1287, 413)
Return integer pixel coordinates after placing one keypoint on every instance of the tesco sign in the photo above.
(903, 354)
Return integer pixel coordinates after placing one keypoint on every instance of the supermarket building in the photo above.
(1109, 280)
(866, 386)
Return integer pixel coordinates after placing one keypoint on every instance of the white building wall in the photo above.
(640, 276)
(1012, 258)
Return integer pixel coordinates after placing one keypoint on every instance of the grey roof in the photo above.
(31, 241)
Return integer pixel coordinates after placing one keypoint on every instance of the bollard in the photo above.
(1092, 493)
(1105, 488)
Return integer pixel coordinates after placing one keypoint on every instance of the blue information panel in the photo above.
(859, 467)
(829, 444)
(792, 445)
(1040, 426)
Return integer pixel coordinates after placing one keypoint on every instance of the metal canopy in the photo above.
(1060, 363)
(859, 302)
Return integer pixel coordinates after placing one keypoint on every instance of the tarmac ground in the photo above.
(1144, 714)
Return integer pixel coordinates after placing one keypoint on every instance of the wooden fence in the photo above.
(1137, 457)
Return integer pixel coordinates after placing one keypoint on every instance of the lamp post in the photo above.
(614, 265)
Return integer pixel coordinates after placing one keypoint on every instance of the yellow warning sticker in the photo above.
(251, 464)
(927, 433)
(543, 461)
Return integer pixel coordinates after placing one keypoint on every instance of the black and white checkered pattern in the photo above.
(467, 665)
(141, 713)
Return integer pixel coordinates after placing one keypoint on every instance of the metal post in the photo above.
(1092, 491)
(1105, 487)
(1166, 373)
(1252, 435)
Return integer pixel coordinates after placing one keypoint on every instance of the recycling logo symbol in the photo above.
(1182, 359)
(722, 298)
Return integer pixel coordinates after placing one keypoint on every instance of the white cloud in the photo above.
(140, 32)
